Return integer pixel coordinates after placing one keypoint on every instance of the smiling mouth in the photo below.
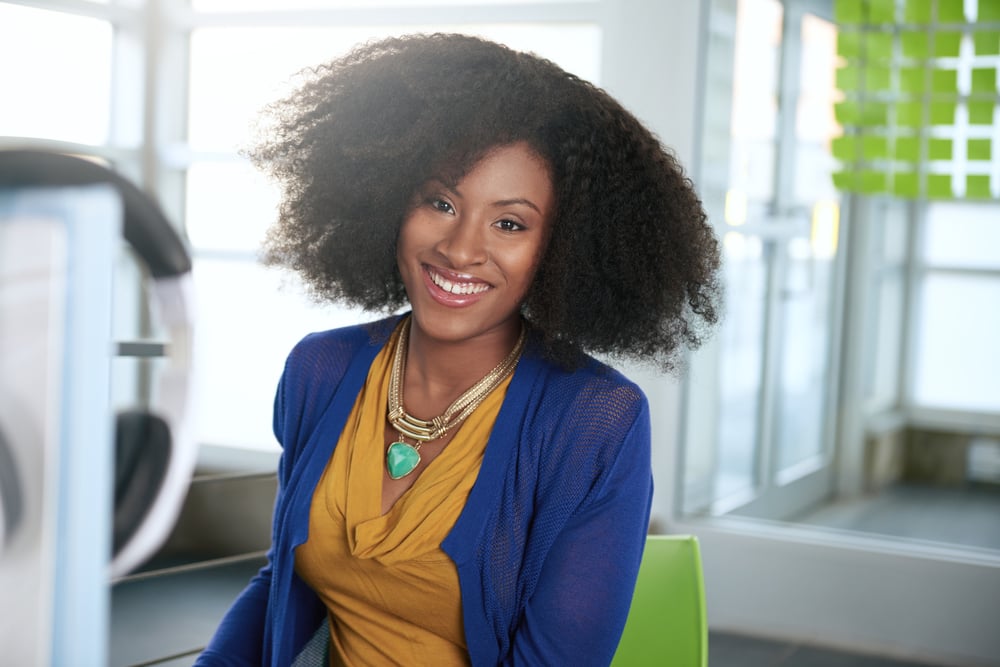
(459, 287)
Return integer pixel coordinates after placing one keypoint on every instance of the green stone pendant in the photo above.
(401, 459)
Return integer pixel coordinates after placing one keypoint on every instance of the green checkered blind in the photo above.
(919, 98)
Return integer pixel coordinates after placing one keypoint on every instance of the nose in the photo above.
(464, 244)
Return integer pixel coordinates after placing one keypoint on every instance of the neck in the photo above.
(438, 371)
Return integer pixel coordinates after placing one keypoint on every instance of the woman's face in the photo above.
(468, 252)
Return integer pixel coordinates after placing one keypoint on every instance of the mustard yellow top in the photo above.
(392, 594)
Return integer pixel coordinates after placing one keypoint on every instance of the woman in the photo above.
(462, 484)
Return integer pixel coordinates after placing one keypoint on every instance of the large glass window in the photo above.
(247, 311)
(849, 342)
(56, 75)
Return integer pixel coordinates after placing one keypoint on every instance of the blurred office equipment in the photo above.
(86, 496)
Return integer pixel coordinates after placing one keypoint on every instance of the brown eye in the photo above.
(509, 225)
(439, 204)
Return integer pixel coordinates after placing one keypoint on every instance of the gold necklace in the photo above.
(402, 458)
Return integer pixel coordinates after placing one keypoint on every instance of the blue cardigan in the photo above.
(547, 547)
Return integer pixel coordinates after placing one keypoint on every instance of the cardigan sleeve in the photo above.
(577, 612)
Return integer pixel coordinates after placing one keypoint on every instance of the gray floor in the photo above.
(138, 636)
(969, 516)
(966, 516)
(726, 650)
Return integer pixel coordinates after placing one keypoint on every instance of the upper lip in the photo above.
(460, 285)
(454, 276)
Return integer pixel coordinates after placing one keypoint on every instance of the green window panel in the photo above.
(845, 148)
(849, 79)
(947, 44)
(906, 184)
(909, 114)
(977, 186)
(908, 149)
(882, 11)
(944, 81)
(849, 11)
(981, 113)
(912, 79)
(874, 114)
(918, 11)
(939, 186)
(846, 181)
(986, 42)
(874, 148)
(896, 91)
(872, 181)
(878, 79)
(989, 10)
(849, 44)
(979, 149)
(939, 149)
(984, 80)
(847, 113)
(951, 11)
(915, 45)
(878, 46)
(943, 113)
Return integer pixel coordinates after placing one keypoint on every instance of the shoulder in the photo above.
(318, 364)
(587, 430)
(592, 392)
(586, 419)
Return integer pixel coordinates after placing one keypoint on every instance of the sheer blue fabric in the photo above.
(547, 547)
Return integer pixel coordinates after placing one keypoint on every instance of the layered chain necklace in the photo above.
(402, 458)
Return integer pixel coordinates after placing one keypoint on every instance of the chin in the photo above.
(456, 327)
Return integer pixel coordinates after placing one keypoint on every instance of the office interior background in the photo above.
(835, 446)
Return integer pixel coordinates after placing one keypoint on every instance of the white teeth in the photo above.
(458, 288)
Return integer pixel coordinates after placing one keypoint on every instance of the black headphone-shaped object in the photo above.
(154, 450)
(11, 498)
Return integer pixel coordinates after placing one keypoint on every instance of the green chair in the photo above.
(666, 625)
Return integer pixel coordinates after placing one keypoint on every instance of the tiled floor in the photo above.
(727, 650)
(734, 651)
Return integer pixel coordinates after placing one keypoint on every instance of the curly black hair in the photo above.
(631, 268)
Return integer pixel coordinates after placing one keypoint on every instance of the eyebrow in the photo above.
(502, 202)
(518, 200)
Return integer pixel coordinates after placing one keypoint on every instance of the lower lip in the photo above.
(447, 298)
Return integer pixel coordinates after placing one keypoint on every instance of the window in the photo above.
(836, 332)
(54, 64)
(957, 321)
(179, 134)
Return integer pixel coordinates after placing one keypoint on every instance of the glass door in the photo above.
(759, 433)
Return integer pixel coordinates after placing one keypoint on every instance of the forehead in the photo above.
(513, 171)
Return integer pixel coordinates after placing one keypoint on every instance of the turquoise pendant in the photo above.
(401, 459)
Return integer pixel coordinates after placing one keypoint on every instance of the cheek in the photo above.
(404, 241)
(527, 269)
(538, 257)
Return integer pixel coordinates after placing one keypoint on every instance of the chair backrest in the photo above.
(666, 625)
